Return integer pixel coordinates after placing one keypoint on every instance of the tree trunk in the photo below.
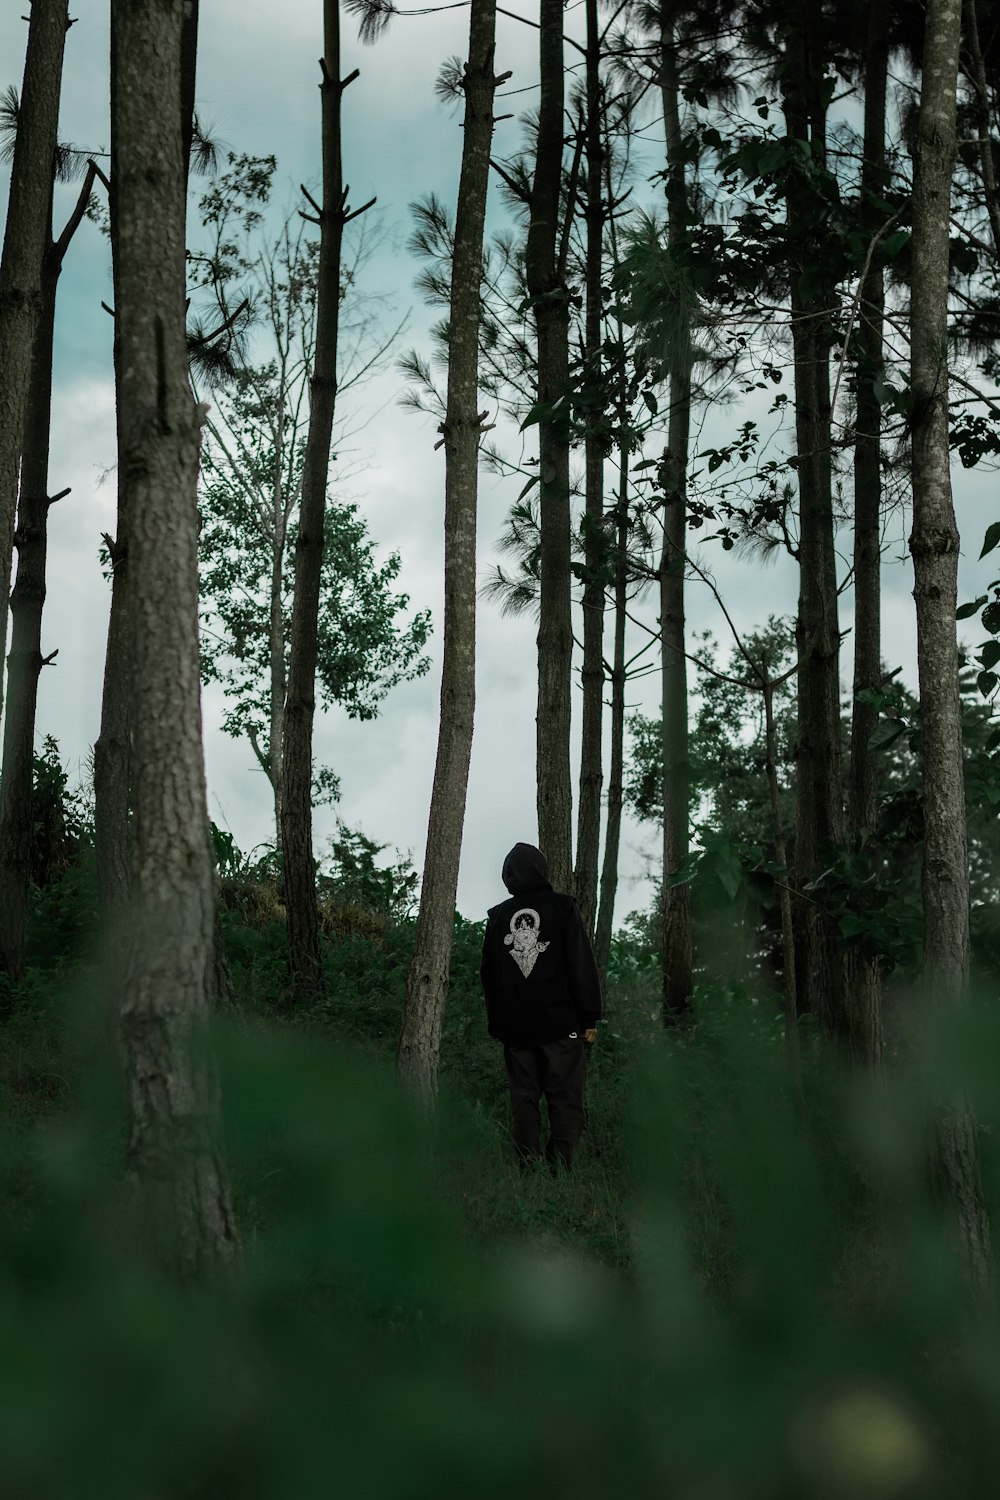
(305, 967)
(550, 305)
(113, 747)
(619, 673)
(616, 777)
(24, 664)
(983, 116)
(27, 602)
(819, 780)
(588, 828)
(427, 986)
(934, 547)
(113, 754)
(172, 1154)
(276, 646)
(189, 75)
(676, 904)
(25, 237)
(792, 1050)
(864, 1008)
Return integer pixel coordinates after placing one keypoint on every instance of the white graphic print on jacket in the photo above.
(523, 939)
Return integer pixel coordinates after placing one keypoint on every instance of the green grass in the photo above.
(721, 1302)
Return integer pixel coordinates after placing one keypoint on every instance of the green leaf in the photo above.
(964, 611)
(986, 682)
(886, 733)
(536, 413)
(989, 655)
(651, 402)
(992, 538)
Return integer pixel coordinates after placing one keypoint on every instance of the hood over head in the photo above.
(525, 869)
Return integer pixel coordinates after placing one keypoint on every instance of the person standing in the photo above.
(543, 1002)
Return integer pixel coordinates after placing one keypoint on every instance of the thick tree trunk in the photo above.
(588, 828)
(819, 780)
(550, 306)
(172, 1154)
(112, 749)
(305, 967)
(934, 547)
(676, 904)
(25, 661)
(26, 236)
(864, 1007)
(427, 986)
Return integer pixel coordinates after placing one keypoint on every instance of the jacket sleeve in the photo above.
(486, 979)
(584, 981)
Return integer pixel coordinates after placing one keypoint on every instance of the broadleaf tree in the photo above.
(252, 466)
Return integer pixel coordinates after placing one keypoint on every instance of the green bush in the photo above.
(721, 1302)
(728, 1298)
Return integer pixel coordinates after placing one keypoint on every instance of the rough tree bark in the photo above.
(819, 779)
(676, 904)
(588, 827)
(172, 1154)
(26, 234)
(934, 548)
(545, 280)
(27, 601)
(864, 1006)
(305, 967)
(427, 986)
(112, 748)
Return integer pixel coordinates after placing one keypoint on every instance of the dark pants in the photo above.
(559, 1071)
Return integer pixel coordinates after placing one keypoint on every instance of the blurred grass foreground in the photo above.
(729, 1299)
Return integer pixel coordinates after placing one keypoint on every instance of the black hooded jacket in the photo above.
(538, 971)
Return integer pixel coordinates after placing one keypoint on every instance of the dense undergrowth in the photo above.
(724, 1301)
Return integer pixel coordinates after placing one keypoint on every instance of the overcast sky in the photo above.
(257, 93)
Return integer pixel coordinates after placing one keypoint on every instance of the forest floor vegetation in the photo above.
(724, 1299)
